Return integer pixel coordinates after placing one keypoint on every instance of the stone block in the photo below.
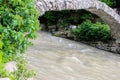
(30, 79)
(4, 79)
(11, 66)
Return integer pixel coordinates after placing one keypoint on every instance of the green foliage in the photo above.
(18, 23)
(66, 17)
(23, 72)
(92, 31)
(109, 2)
(1, 55)
(86, 15)
(51, 18)
(3, 72)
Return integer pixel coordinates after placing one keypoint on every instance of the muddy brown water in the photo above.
(56, 58)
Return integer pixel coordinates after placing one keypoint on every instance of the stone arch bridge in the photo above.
(94, 6)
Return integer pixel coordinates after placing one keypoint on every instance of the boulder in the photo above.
(72, 27)
(4, 79)
(11, 66)
(30, 79)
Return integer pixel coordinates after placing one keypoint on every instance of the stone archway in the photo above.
(94, 6)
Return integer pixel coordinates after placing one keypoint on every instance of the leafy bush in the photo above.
(66, 17)
(18, 23)
(1, 54)
(86, 15)
(23, 73)
(51, 17)
(92, 31)
(109, 2)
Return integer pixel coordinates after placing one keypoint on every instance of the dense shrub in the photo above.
(18, 23)
(92, 31)
(51, 18)
(66, 17)
(85, 15)
(110, 2)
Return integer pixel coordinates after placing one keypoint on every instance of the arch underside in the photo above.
(94, 6)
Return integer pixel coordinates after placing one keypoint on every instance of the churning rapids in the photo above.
(56, 58)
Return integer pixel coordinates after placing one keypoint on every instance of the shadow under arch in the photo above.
(68, 17)
(94, 6)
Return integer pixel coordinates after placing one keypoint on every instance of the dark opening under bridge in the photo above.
(106, 13)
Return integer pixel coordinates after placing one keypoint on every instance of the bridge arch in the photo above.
(94, 6)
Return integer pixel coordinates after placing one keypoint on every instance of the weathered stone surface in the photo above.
(30, 79)
(94, 6)
(11, 66)
(4, 79)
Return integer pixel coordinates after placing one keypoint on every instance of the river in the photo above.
(56, 58)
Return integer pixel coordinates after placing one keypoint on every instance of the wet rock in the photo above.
(118, 50)
(43, 27)
(69, 34)
(52, 27)
(60, 34)
(72, 27)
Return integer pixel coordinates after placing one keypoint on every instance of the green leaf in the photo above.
(1, 55)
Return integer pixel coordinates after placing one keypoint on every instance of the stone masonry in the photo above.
(94, 6)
